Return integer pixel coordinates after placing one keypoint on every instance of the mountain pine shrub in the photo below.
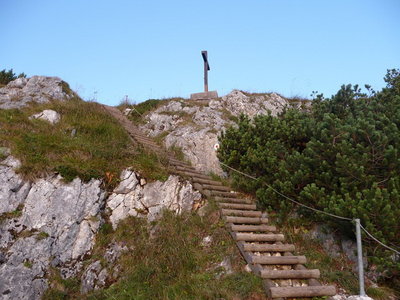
(342, 157)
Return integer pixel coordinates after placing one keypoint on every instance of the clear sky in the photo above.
(151, 49)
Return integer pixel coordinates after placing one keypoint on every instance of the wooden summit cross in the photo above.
(206, 69)
(206, 95)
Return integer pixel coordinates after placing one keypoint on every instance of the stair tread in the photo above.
(238, 212)
(278, 260)
(216, 187)
(302, 291)
(238, 206)
(268, 247)
(246, 220)
(290, 274)
(260, 237)
(252, 228)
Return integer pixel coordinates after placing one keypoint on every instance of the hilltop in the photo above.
(87, 212)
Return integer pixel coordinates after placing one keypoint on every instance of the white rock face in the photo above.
(53, 223)
(40, 89)
(48, 115)
(131, 198)
(57, 225)
(195, 127)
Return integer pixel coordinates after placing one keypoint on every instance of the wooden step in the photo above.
(290, 274)
(278, 260)
(302, 291)
(241, 213)
(259, 237)
(185, 167)
(233, 200)
(245, 220)
(268, 247)
(253, 228)
(180, 165)
(238, 206)
(223, 194)
(190, 174)
(204, 181)
(212, 187)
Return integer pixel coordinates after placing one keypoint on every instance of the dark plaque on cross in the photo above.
(206, 95)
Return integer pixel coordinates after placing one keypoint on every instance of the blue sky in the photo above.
(151, 49)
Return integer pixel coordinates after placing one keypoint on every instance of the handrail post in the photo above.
(360, 258)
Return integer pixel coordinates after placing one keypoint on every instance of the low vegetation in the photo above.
(341, 157)
(143, 108)
(8, 76)
(86, 143)
(168, 260)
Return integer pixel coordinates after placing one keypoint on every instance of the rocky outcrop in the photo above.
(194, 126)
(52, 223)
(57, 225)
(131, 198)
(39, 89)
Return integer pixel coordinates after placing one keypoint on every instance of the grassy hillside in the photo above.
(86, 143)
(168, 260)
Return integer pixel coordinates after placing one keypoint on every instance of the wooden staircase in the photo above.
(284, 274)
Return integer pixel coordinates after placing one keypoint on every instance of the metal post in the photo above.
(360, 258)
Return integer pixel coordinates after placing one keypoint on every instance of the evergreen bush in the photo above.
(342, 157)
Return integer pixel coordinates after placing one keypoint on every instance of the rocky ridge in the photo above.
(194, 126)
(39, 89)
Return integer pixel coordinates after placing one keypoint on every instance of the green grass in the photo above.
(166, 260)
(100, 148)
(12, 214)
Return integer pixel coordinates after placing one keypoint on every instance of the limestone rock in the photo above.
(335, 245)
(148, 200)
(345, 297)
(52, 223)
(194, 127)
(57, 225)
(90, 276)
(48, 115)
(40, 89)
(4, 151)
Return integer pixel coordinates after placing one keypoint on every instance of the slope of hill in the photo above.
(73, 192)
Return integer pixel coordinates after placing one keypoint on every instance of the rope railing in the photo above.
(311, 208)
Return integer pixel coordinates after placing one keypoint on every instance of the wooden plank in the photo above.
(217, 187)
(246, 220)
(253, 228)
(259, 237)
(279, 260)
(223, 194)
(303, 291)
(193, 174)
(238, 206)
(269, 247)
(241, 213)
(290, 274)
(233, 200)
(204, 181)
